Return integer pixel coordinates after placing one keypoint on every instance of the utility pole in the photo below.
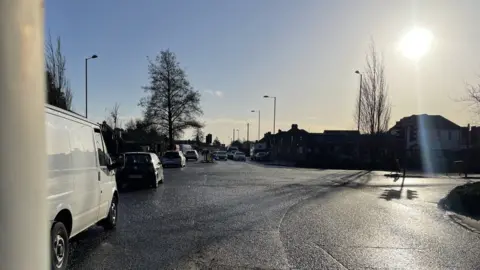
(233, 135)
(359, 99)
(248, 131)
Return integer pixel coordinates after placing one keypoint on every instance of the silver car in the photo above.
(191, 154)
(174, 159)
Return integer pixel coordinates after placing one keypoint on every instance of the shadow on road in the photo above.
(209, 222)
(390, 194)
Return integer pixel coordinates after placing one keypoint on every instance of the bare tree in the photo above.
(374, 102)
(216, 142)
(60, 94)
(198, 135)
(112, 119)
(472, 98)
(171, 104)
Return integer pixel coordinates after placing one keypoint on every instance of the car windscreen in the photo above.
(221, 153)
(137, 159)
(190, 152)
(171, 155)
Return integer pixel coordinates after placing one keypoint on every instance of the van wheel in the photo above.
(110, 222)
(59, 246)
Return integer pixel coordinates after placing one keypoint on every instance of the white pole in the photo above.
(24, 226)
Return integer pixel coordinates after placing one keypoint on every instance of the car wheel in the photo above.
(59, 246)
(155, 183)
(110, 222)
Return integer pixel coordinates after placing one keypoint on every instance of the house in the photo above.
(332, 148)
(433, 132)
(430, 142)
(289, 145)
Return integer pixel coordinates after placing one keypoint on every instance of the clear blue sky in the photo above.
(304, 52)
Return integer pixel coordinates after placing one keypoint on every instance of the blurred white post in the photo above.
(24, 243)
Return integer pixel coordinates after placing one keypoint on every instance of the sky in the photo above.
(304, 52)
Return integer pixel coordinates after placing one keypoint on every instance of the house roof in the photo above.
(426, 122)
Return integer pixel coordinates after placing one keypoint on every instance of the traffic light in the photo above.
(209, 139)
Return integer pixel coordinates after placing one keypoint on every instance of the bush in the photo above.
(464, 199)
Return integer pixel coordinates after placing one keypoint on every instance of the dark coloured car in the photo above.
(262, 156)
(139, 169)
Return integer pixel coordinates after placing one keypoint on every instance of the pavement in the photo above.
(242, 215)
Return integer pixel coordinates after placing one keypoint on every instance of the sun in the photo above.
(416, 43)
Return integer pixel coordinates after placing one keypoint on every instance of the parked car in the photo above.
(239, 156)
(174, 159)
(220, 155)
(191, 154)
(232, 149)
(231, 153)
(261, 156)
(81, 187)
(139, 168)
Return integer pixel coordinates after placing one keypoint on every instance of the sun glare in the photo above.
(416, 43)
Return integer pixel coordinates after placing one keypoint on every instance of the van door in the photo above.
(106, 178)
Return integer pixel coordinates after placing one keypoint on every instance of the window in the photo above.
(171, 155)
(449, 135)
(102, 157)
(137, 159)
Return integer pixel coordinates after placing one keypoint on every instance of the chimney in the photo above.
(294, 127)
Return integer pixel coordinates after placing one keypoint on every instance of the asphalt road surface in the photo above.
(237, 215)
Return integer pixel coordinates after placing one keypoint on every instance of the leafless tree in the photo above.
(113, 118)
(374, 101)
(472, 97)
(172, 104)
(198, 135)
(55, 63)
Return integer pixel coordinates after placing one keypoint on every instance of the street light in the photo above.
(359, 100)
(274, 110)
(258, 123)
(86, 82)
(238, 134)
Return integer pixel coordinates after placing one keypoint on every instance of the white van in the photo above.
(81, 189)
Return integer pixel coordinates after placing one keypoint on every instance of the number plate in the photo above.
(134, 176)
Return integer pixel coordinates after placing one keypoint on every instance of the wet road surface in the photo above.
(236, 215)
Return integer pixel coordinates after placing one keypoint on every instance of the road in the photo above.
(236, 215)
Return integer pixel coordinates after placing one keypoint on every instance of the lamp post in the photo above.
(359, 100)
(238, 134)
(258, 123)
(274, 110)
(86, 82)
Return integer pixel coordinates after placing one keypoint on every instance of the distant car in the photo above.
(220, 155)
(261, 156)
(230, 154)
(139, 168)
(239, 156)
(191, 154)
(174, 159)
